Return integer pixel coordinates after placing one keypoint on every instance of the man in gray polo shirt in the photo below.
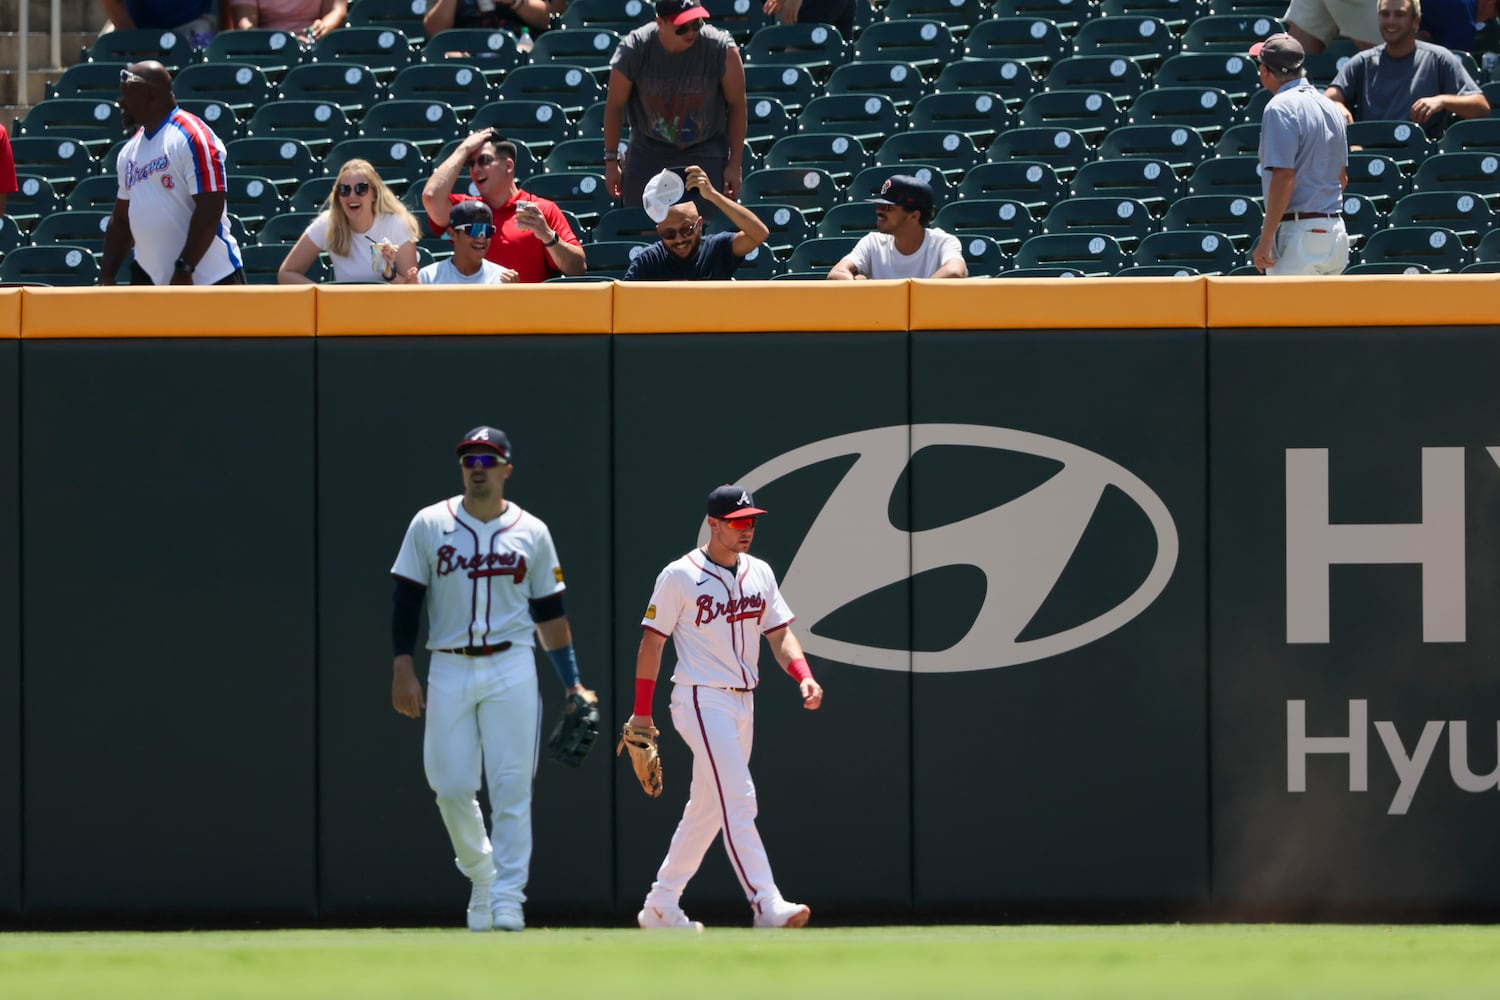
(1304, 161)
(1406, 79)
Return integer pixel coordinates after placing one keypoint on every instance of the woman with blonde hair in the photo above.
(368, 234)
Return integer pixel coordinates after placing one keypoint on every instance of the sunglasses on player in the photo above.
(481, 460)
(478, 230)
(739, 523)
(691, 27)
(688, 229)
(345, 190)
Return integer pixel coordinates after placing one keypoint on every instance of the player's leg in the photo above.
(450, 757)
(510, 724)
(771, 909)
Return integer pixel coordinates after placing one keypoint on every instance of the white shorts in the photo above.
(1356, 19)
(1311, 246)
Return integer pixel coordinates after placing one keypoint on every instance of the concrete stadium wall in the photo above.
(1060, 552)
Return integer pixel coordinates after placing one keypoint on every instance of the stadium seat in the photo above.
(571, 156)
(1066, 14)
(218, 116)
(759, 264)
(1157, 271)
(820, 253)
(958, 15)
(899, 81)
(952, 153)
(629, 224)
(1238, 175)
(793, 86)
(741, 18)
(572, 87)
(75, 228)
(817, 48)
(94, 194)
(1439, 249)
(133, 45)
(590, 48)
(1489, 247)
(1117, 76)
(242, 86)
(1362, 218)
(581, 192)
(925, 44)
(1207, 110)
(287, 162)
(1482, 267)
(262, 261)
(1231, 33)
(1031, 182)
(766, 121)
(622, 18)
(787, 224)
(1035, 41)
(1041, 272)
(868, 117)
(382, 51)
(34, 198)
(1236, 75)
(1090, 253)
(1377, 177)
(1091, 113)
(851, 219)
(868, 182)
(50, 264)
(1153, 182)
(1466, 171)
(492, 50)
(1142, 38)
(460, 85)
(62, 162)
(983, 255)
(1481, 135)
(399, 162)
(404, 16)
(1464, 212)
(1126, 219)
(811, 190)
(1179, 145)
(1009, 79)
(11, 235)
(428, 125)
(1239, 140)
(254, 199)
(93, 123)
(1176, 14)
(1387, 267)
(93, 81)
(286, 228)
(539, 124)
(349, 85)
(1403, 142)
(1063, 149)
(842, 156)
(611, 259)
(1203, 251)
(318, 124)
(274, 52)
(1237, 217)
(980, 116)
(1005, 220)
(1274, 8)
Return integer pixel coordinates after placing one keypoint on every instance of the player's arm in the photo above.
(117, 241)
(788, 653)
(406, 612)
(647, 666)
(208, 209)
(556, 637)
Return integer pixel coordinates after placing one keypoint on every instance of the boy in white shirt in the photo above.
(903, 246)
(471, 226)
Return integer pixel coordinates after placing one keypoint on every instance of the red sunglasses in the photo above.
(740, 523)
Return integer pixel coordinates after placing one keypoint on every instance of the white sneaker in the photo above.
(656, 918)
(778, 912)
(479, 916)
(508, 917)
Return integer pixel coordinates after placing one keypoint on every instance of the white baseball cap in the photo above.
(662, 192)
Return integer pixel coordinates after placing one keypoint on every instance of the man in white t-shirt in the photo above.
(903, 245)
(471, 226)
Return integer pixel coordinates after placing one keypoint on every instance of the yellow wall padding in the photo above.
(1057, 303)
(1355, 300)
(759, 306)
(444, 310)
(120, 312)
(10, 313)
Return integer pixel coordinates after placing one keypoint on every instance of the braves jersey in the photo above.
(715, 617)
(480, 575)
(158, 174)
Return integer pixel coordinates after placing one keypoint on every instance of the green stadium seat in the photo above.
(867, 182)
(1437, 248)
(573, 88)
(218, 116)
(817, 48)
(587, 47)
(624, 224)
(1203, 251)
(841, 155)
(1177, 14)
(50, 264)
(1009, 79)
(1239, 140)
(1464, 212)
(868, 117)
(1091, 113)
(925, 44)
(952, 153)
(851, 219)
(1068, 15)
(901, 82)
(1005, 220)
(382, 51)
(1181, 146)
(287, 162)
(820, 253)
(1232, 33)
(1207, 110)
(1466, 171)
(318, 124)
(61, 161)
(286, 228)
(1236, 75)
(399, 162)
(94, 194)
(460, 85)
(759, 264)
(1128, 220)
(612, 14)
(428, 125)
(793, 86)
(1091, 254)
(33, 198)
(1063, 149)
(1239, 175)
(133, 45)
(404, 16)
(351, 86)
(787, 224)
(93, 81)
(983, 255)
(254, 199)
(274, 52)
(1034, 183)
(1142, 38)
(958, 15)
(1037, 42)
(811, 190)
(1117, 76)
(1237, 217)
(979, 115)
(539, 124)
(243, 86)
(581, 192)
(1147, 180)
(1362, 218)
(611, 259)
(492, 50)
(1403, 142)
(766, 121)
(1377, 177)
(93, 123)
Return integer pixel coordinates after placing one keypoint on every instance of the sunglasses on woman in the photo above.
(345, 190)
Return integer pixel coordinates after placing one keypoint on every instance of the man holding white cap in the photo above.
(684, 252)
(1304, 160)
(903, 246)
(681, 83)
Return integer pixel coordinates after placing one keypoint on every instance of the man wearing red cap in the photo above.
(681, 84)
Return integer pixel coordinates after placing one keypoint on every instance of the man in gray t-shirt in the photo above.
(681, 83)
(1406, 79)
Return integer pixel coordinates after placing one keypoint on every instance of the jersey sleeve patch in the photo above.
(557, 573)
(651, 612)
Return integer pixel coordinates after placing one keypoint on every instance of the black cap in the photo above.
(905, 191)
(466, 213)
(486, 437)
(732, 501)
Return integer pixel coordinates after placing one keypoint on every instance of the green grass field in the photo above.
(1200, 961)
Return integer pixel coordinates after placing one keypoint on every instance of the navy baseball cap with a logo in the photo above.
(906, 192)
(486, 437)
(732, 501)
(680, 12)
(466, 213)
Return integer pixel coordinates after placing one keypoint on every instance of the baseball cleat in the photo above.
(654, 918)
(779, 913)
(479, 916)
(508, 917)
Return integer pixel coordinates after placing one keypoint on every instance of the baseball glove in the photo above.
(575, 732)
(641, 740)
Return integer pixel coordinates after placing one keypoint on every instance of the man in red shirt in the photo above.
(532, 237)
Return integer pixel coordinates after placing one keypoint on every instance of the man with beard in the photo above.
(903, 245)
(532, 237)
(471, 227)
(172, 192)
(684, 253)
(1406, 79)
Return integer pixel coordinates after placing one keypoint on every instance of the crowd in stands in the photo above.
(1029, 137)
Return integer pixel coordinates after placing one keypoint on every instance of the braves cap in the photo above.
(680, 11)
(488, 437)
(1279, 53)
(662, 192)
(906, 192)
(732, 501)
(466, 213)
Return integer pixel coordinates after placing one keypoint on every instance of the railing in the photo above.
(24, 57)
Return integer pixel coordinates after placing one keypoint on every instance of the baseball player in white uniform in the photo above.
(491, 579)
(715, 603)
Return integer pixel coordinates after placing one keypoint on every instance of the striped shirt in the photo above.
(158, 174)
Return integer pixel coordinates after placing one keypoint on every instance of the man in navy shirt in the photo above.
(684, 253)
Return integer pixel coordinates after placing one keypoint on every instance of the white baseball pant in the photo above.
(485, 710)
(718, 726)
(1311, 246)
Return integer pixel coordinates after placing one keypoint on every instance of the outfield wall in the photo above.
(1131, 597)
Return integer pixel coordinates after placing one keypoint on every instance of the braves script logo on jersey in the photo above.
(137, 172)
(491, 564)
(749, 606)
(1021, 546)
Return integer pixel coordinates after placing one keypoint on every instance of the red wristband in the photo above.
(799, 670)
(644, 691)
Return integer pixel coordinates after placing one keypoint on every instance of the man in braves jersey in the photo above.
(492, 583)
(173, 192)
(714, 604)
(532, 237)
